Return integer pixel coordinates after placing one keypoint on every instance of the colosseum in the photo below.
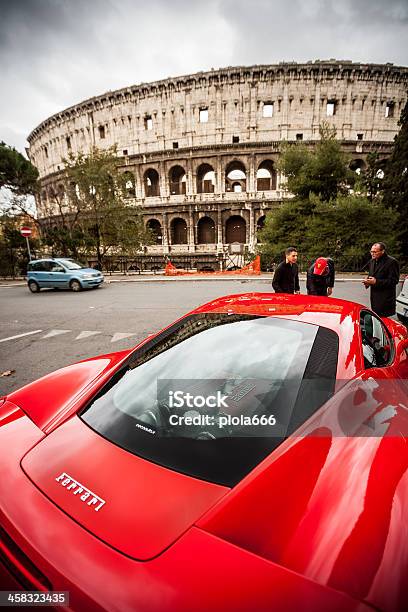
(200, 151)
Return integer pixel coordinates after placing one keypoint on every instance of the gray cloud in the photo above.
(55, 53)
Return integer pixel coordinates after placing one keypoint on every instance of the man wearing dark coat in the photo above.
(383, 278)
(286, 277)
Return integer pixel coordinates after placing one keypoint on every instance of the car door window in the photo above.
(56, 267)
(376, 340)
(38, 266)
(47, 266)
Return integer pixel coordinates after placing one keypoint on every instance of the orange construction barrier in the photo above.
(251, 269)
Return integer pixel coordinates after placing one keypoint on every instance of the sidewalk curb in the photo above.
(209, 278)
(187, 278)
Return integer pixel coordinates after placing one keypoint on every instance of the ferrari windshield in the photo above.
(212, 395)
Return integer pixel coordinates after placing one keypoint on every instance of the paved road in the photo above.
(68, 327)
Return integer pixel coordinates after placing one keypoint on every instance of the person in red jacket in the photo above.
(318, 277)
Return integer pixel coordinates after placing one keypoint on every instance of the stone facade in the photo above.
(201, 150)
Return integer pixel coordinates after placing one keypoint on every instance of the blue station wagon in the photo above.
(61, 273)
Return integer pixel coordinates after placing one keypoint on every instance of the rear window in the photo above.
(215, 393)
(39, 266)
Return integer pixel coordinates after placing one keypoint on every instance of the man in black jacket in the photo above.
(286, 277)
(383, 278)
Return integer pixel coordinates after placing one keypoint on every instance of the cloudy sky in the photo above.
(55, 53)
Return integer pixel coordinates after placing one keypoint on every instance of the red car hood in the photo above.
(135, 506)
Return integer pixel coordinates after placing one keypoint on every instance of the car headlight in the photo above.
(87, 276)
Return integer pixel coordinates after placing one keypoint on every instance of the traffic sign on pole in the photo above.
(26, 232)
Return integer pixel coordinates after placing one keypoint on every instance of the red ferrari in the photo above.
(251, 456)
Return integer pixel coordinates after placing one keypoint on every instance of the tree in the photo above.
(285, 227)
(13, 247)
(313, 175)
(325, 217)
(370, 180)
(96, 207)
(347, 227)
(323, 171)
(344, 229)
(16, 172)
(395, 184)
(61, 228)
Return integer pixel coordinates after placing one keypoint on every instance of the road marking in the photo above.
(37, 331)
(86, 334)
(83, 334)
(120, 336)
(56, 332)
(11, 286)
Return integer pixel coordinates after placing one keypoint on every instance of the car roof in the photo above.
(51, 259)
(326, 311)
(44, 259)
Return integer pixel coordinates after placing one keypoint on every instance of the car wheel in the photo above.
(403, 320)
(33, 286)
(75, 285)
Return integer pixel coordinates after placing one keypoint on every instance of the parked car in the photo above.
(61, 273)
(293, 496)
(402, 303)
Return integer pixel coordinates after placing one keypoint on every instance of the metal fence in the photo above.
(13, 263)
(341, 263)
(156, 263)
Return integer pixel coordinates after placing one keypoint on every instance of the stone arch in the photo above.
(205, 179)
(177, 180)
(235, 176)
(156, 229)
(178, 231)
(381, 165)
(151, 183)
(260, 224)
(129, 184)
(51, 193)
(266, 176)
(206, 231)
(357, 165)
(235, 229)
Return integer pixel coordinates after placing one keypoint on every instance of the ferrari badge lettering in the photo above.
(85, 494)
